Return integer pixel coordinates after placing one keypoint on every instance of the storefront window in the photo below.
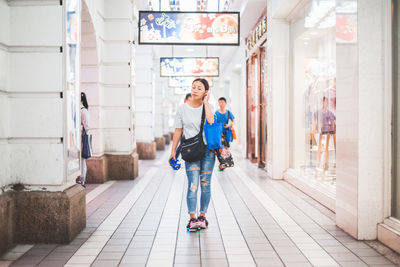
(396, 109)
(313, 120)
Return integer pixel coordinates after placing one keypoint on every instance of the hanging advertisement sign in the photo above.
(187, 81)
(189, 66)
(72, 95)
(190, 28)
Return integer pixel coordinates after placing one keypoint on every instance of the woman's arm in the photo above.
(175, 141)
(209, 111)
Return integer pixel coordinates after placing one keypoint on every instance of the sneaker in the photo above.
(192, 224)
(202, 222)
(83, 184)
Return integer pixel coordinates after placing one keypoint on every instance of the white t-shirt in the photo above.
(189, 119)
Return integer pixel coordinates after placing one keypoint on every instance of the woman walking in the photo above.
(85, 127)
(189, 119)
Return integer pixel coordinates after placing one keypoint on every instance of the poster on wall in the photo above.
(346, 28)
(190, 28)
(189, 66)
(187, 81)
(72, 95)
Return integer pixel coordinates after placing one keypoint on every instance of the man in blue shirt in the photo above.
(226, 117)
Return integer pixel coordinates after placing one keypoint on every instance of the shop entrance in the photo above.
(256, 108)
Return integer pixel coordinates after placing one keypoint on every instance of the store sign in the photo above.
(191, 28)
(189, 66)
(257, 34)
(186, 81)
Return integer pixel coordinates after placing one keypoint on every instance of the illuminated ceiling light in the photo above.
(347, 7)
(318, 12)
(190, 50)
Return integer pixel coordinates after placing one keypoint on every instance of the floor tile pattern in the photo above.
(254, 221)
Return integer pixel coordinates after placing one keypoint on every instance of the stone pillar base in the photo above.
(160, 143)
(167, 139)
(123, 167)
(7, 219)
(29, 217)
(112, 167)
(49, 217)
(146, 150)
(96, 170)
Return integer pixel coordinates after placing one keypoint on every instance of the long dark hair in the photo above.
(204, 82)
(84, 100)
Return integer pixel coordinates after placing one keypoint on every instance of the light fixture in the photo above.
(190, 50)
(313, 33)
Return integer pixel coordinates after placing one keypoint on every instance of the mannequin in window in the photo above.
(327, 120)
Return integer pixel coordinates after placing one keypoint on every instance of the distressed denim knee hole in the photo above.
(193, 187)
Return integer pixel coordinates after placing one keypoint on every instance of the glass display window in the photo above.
(313, 103)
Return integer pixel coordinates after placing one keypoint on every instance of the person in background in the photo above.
(85, 127)
(187, 98)
(225, 117)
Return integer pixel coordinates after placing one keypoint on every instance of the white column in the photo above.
(145, 92)
(159, 107)
(116, 78)
(145, 102)
(278, 111)
(5, 175)
(36, 109)
(33, 128)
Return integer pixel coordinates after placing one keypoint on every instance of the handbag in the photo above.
(86, 144)
(213, 134)
(229, 133)
(194, 149)
(234, 134)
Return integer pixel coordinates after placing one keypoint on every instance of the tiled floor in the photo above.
(254, 221)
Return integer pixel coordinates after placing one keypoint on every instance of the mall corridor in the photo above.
(254, 221)
(97, 95)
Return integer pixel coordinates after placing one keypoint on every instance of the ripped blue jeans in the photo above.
(199, 172)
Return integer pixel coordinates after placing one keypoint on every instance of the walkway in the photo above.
(254, 221)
